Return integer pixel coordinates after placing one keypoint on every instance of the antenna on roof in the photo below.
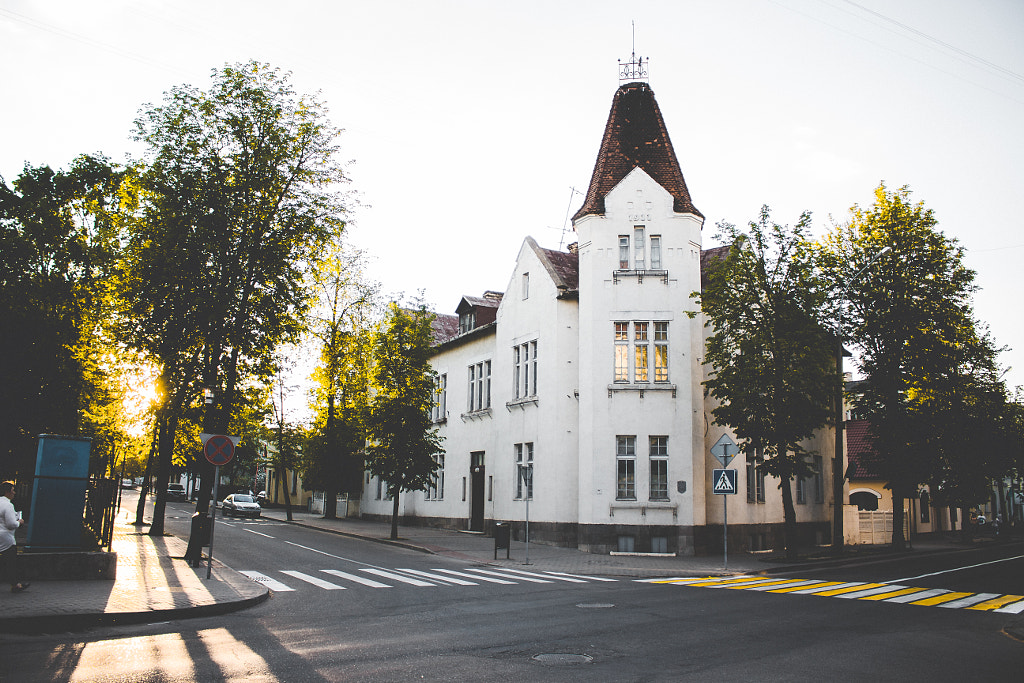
(572, 193)
(635, 69)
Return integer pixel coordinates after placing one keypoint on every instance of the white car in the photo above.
(240, 505)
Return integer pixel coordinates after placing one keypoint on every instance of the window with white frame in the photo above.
(625, 468)
(480, 386)
(635, 349)
(524, 367)
(524, 471)
(435, 489)
(440, 410)
(623, 252)
(655, 252)
(659, 467)
(467, 321)
(755, 478)
(526, 285)
(639, 262)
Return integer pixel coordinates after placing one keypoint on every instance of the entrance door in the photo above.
(476, 499)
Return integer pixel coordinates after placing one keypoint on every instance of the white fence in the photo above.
(869, 527)
(346, 507)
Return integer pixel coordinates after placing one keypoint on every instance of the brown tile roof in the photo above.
(709, 258)
(860, 453)
(565, 268)
(444, 327)
(635, 135)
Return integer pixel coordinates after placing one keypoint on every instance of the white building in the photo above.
(587, 371)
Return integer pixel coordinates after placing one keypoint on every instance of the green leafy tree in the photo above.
(911, 316)
(240, 195)
(340, 323)
(402, 443)
(60, 233)
(770, 358)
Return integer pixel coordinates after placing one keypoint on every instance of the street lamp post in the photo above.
(838, 459)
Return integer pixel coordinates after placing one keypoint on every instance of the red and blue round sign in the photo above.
(219, 450)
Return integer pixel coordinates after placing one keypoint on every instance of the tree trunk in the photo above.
(140, 510)
(331, 503)
(789, 513)
(394, 515)
(163, 473)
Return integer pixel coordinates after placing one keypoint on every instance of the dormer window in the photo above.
(467, 321)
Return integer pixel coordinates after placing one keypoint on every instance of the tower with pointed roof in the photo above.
(641, 407)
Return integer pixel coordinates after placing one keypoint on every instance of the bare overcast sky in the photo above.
(469, 122)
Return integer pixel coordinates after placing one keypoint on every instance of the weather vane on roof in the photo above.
(636, 68)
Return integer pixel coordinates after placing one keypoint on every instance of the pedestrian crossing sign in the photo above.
(724, 481)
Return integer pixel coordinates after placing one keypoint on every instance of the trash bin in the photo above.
(502, 539)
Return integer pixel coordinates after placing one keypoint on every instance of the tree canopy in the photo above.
(931, 371)
(402, 443)
(240, 192)
(770, 360)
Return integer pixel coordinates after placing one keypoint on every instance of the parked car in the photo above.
(240, 505)
(127, 484)
(175, 492)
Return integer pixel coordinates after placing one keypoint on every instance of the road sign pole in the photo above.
(725, 532)
(213, 517)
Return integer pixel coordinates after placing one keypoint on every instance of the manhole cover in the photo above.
(559, 659)
(595, 605)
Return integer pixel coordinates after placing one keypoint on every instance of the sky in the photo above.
(470, 125)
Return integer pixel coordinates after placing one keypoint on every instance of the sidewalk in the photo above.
(154, 583)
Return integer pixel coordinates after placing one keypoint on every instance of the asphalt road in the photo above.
(524, 630)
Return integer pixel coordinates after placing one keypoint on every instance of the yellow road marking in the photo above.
(721, 582)
(891, 594)
(849, 589)
(939, 599)
(769, 583)
(812, 586)
(996, 602)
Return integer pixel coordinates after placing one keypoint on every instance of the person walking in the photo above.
(9, 523)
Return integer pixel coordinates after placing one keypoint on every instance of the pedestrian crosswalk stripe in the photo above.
(918, 596)
(939, 599)
(997, 602)
(475, 577)
(817, 585)
(319, 583)
(435, 577)
(902, 590)
(970, 600)
(858, 590)
(396, 577)
(358, 579)
(267, 581)
(582, 576)
(520, 572)
(503, 575)
(1015, 608)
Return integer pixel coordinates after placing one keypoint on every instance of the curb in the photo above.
(59, 623)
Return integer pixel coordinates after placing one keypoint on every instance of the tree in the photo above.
(60, 233)
(340, 323)
(402, 445)
(770, 359)
(240, 194)
(912, 319)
